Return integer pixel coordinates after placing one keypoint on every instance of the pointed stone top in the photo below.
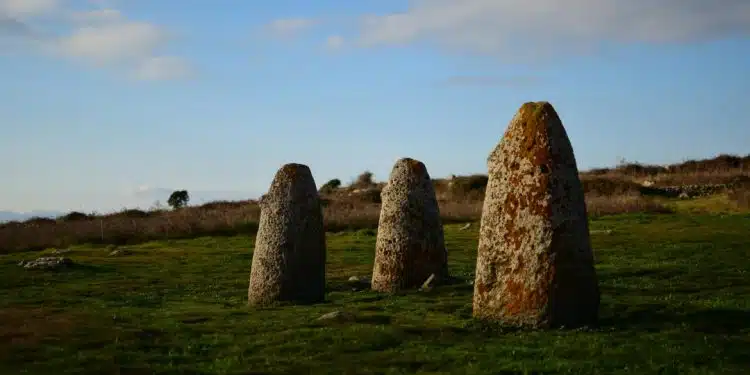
(409, 166)
(536, 113)
(291, 172)
(529, 133)
(292, 169)
(292, 178)
(543, 105)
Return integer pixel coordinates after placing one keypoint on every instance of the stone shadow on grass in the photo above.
(723, 330)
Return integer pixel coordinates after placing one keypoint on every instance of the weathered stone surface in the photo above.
(290, 248)
(535, 262)
(410, 245)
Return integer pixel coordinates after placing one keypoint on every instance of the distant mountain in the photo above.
(20, 216)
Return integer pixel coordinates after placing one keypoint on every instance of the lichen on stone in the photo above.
(534, 262)
(410, 243)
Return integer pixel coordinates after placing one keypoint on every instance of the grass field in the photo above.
(675, 300)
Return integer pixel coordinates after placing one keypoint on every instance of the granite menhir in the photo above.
(290, 248)
(535, 264)
(410, 246)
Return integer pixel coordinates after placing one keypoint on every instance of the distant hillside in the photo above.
(626, 188)
(6, 216)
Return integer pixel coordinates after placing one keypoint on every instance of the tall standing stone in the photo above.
(535, 265)
(290, 248)
(410, 246)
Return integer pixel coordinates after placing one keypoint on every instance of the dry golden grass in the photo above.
(608, 191)
(740, 197)
(598, 205)
(217, 221)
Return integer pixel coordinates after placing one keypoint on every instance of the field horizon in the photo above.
(719, 184)
(165, 292)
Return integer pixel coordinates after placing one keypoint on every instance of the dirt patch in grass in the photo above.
(30, 326)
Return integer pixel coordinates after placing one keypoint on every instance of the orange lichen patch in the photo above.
(417, 167)
(527, 199)
(533, 210)
(524, 301)
(481, 289)
(531, 126)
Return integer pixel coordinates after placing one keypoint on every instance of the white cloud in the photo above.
(163, 68)
(335, 41)
(101, 37)
(27, 8)
(290, 26)
(511, 27)
(112, 42)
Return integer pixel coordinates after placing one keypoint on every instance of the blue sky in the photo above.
(111, 104)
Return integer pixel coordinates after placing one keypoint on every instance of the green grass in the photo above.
(675, 300)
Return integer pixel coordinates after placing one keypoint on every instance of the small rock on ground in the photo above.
(357, 279)
(337, 316)
(115, 253)
(46, 263)
(428, 284)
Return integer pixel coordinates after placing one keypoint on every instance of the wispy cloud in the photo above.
(112, 42)
(287, 27)
(102, 37)
(27, 8)
(163, 68)
(335, 42)
(510, 28)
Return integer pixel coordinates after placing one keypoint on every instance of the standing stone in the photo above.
(290, 248)
(410, 245)
(535, 263)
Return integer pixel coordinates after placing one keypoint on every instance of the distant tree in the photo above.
(75, 216)
(330, 186)
(178, 199)
(364, 180)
